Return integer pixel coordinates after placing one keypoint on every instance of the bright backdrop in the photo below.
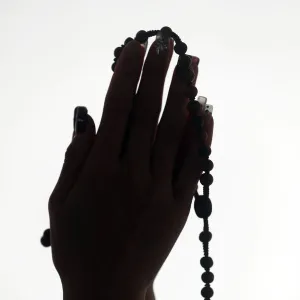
(55, 55)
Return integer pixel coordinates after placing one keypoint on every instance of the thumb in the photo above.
(75, 156)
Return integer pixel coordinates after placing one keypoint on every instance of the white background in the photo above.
(55, 55)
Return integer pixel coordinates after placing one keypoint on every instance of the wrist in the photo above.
(99, 292)
(102, 295)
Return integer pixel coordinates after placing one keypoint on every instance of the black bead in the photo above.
(113, 66)
(208, 277)
(118, 51)
(185, 74)
(202, 207)
(208, 166)
(166, 31)
(47, 232)
(193, 107)
(141, 36)
(129, 39)
(205, 236)
(181, 71)
(197, 121)
(45, 242)
(191, 92)
(206, 179)
(207, 292)
(189, 76)
(204, 151)
(180, 48)
(184, 61)
(206, 262)
(45, 239)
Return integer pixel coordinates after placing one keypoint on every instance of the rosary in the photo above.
(202, 203)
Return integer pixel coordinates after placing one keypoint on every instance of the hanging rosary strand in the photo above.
(202, 203)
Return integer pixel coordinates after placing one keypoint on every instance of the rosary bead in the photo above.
(189, 76)
(206, 262)
(208, 277)
(45, 239)
(113, 66)
(184, 61)
(207, 292)
(202, 207)
(193, 107)
(118, 51)
(45, 242)
(47, 232)
(129, 39)
(192, 92)
(180, 48)
(197, 122)
(206, 179)
(204, 151)
(166, 31)
(205, 236)
(185, 74)
(181, 71)
(209, 165)
(141, 36)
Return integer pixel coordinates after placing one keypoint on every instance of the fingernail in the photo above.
(209, 109)
(162, 42)
(202, 100)
(207, 118)
(80, 119)
(194, 66)
(195, 60)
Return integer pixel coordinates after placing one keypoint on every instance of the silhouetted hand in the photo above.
(125, 191)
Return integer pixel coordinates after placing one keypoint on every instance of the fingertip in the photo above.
(132, 49)
(130, 62)
(89, 128)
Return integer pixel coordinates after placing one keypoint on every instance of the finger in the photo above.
(147, 106)
(118, 103)
(188, 136)
(183, 151)
(171, 127)
(193, 166)
(75, 156)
